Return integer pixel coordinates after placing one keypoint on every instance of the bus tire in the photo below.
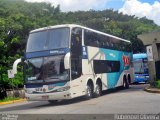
(129, 79)
(125, 83)
(98, 89)
(89, 91)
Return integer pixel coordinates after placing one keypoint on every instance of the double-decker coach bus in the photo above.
(68, 61)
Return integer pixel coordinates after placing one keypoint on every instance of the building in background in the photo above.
(152, 42)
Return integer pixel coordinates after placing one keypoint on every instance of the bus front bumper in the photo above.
(141, 78)
(48, 96)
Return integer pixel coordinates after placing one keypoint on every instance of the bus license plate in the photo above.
(45, 97)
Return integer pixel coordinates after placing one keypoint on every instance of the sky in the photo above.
(140, 8)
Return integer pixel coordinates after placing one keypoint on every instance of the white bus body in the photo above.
(68, 61)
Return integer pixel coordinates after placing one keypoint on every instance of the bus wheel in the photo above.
(98, 91)
(129, 79)
(89, 91)
(125, 83)
(52, 101)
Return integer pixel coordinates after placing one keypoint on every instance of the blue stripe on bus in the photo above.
(61, 51)
(33, 86)
(41, 85)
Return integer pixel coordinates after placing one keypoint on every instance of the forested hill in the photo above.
(18, 17)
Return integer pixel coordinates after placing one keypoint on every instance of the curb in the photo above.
(13, 101)
(152, 90)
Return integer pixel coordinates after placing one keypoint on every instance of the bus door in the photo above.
(76, 61)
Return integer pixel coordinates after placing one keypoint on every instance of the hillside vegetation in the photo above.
(18, 17)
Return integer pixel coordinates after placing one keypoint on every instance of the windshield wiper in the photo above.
(52, 80)
(53, 77)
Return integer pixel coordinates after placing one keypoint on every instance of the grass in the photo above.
(158, 84)
(7, 99)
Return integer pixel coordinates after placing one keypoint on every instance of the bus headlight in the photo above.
(137, 76)
(63, 89)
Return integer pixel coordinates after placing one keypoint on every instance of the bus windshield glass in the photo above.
(140, 66)
(48, 39)
(47, 69)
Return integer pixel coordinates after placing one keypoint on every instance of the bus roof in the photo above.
(74, 25)
(139, 56)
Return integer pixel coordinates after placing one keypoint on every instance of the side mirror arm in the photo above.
(15, 65)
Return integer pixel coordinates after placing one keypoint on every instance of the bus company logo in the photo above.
(126, 60)
(57, 52)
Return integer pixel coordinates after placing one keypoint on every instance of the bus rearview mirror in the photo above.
(67, 61)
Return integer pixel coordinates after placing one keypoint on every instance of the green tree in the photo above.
(18, 17)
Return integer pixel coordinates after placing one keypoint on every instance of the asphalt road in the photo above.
(130, 101)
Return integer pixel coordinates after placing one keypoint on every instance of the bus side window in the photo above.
(91, 39)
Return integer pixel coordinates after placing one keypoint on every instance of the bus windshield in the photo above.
(48, 39)
(140, 66)
(47, 69)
